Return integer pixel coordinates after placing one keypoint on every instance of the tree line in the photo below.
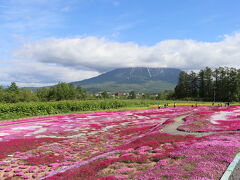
(219, 84)
(61, 91)
(64, 91)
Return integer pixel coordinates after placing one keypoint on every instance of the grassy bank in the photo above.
(22, 110)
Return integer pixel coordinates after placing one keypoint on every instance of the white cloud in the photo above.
(100, 54)
(31, 73)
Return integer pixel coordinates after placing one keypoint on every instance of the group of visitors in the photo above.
(221, 104)
(166, 105)
(196, 105)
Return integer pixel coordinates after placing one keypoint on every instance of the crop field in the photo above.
(168, 143)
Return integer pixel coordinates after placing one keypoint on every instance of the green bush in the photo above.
(28, 109)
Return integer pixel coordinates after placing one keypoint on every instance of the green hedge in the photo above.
(20, 110)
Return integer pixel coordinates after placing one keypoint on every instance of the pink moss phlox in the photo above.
(108, 178)
(18, 174)
(85, 144)
(31, 169)
(111, 157)
(8, 169)
(205, 158)
(17, 170)
(212, 119)
(123, 170)
(25, 177)
(6, 175)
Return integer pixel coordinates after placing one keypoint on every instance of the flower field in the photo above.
(121, 145)
(213, 119)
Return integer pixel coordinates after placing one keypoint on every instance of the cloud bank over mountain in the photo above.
(100, 54)
(51, 60)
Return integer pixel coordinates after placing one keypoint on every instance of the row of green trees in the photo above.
(65, 91)
(62, 91)
(220, 84)
(13, 94)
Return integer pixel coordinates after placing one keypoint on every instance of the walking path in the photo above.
(178, 121)
(236, 173)
(232, 172)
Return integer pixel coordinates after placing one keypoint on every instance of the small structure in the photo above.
(119, 94)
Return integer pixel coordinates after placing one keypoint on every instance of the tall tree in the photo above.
(43, 94)
(181, 88)
(13, 87)
(80, 93)
(216, 85)
(193, 78)
(62, 91)
(201, 84)
(208, 83)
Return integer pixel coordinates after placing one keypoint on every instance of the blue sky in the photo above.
(46, 41)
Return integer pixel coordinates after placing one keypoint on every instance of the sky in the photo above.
(43, 42)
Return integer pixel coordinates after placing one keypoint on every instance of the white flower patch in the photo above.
(223, 116)
(108, 127)
(125, 123)
(129, 114)
(4, 134)
(219, 116)
(142, 117)
(26, 128)
(45, 136)
(41, 130)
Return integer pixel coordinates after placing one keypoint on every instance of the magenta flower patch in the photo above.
(121, 144)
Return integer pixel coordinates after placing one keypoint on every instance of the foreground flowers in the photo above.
(120, 145)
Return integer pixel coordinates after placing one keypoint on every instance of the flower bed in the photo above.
(131, 160)
(118, 145)
(206, 158)
(213, 119)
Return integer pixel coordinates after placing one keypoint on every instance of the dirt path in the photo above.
(178, 121)
(236, 173)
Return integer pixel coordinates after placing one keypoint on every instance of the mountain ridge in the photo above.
(138, 79)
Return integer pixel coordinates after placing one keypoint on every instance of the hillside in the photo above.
(140, 79)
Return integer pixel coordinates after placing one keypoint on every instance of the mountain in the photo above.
(139, 79)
